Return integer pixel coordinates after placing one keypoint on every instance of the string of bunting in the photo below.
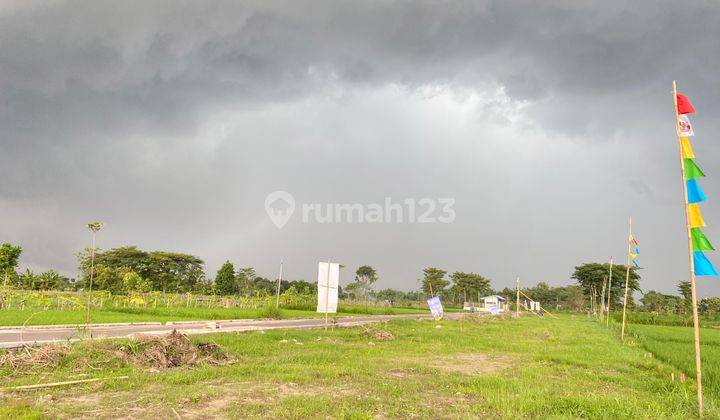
(695, 194)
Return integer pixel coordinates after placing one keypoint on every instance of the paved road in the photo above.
(15, 336)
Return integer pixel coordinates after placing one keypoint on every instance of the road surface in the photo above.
(11, 337)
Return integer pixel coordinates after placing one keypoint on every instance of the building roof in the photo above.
(498, 297)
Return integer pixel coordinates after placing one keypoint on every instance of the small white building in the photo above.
(487, 303)
(493, 300)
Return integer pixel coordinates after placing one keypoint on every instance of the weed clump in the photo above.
(377, 332)
(271, 312)
(171, 350)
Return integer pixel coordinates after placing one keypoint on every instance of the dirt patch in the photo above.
(171, 350)
(29, 357)
(471, 363)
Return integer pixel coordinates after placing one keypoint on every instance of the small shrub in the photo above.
(271, 312)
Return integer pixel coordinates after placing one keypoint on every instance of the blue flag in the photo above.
(694, 192)
(635, 264)
(637, 251)
(703, 266)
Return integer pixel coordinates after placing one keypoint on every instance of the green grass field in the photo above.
(570, 367)
(675, 346)
(13, 317)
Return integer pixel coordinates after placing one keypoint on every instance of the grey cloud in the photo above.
(116, 111)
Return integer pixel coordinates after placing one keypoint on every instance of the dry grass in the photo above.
(28, 357)
(171, 350)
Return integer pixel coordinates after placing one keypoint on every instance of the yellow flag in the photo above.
(694, 216)
(687, 151)
(633, 256)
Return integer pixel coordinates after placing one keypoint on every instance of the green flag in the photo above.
(692, 171)
(700, 241)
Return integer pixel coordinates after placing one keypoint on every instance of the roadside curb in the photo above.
(61, 326)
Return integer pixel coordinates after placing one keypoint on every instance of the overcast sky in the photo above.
(172, 121)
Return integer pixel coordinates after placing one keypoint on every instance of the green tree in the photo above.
(592, 274)
(134, 283)
(470, 286)
(685, 289)
(653, 301)
(225, 282)
(167, 271)
(9, 257)
(245, 279)
(434, 282)
(709, 307)
(52, 280)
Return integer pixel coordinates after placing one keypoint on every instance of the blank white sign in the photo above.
(328, 287)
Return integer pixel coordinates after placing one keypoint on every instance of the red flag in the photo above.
(684, 105)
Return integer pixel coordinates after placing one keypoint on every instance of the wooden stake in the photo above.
(696, 323)
(607, 320)
(627, 281)
(54, 384)
(602, 298)
(517, 302)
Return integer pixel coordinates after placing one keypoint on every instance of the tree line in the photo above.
(131, 270)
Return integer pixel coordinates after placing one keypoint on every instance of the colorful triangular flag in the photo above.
(700, 242)
(684, 126)
(686, 147)
(694, 216)
(692, 171)
(683, 105)
(634, 263)
(703, 266)
(637, 251)
(694, 192)
(633, 240)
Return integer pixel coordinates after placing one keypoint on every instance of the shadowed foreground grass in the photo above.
(529, 368)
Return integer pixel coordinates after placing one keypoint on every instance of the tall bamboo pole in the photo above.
(602, 298)
(607, 320)
(517, 301)
(627, 281)
(696, 324)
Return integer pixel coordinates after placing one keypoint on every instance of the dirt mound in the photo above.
(171, 350)
(28, 357)
(377, 332)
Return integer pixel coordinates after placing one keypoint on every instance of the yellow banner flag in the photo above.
(687, 151)
(694, 216)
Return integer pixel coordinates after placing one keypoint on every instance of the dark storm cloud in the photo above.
(110, 111)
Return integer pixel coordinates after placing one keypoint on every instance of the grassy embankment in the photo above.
(529, 368)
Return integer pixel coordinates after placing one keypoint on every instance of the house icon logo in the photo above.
(279, 205)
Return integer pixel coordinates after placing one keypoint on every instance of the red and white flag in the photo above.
(684, 126)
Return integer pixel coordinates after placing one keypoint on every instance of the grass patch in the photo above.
(14, 317)
(569, 367)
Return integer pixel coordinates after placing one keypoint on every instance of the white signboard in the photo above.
(435, 307)
(328, 281)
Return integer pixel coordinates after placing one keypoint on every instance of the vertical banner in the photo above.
(435, 307)
(328, 281)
